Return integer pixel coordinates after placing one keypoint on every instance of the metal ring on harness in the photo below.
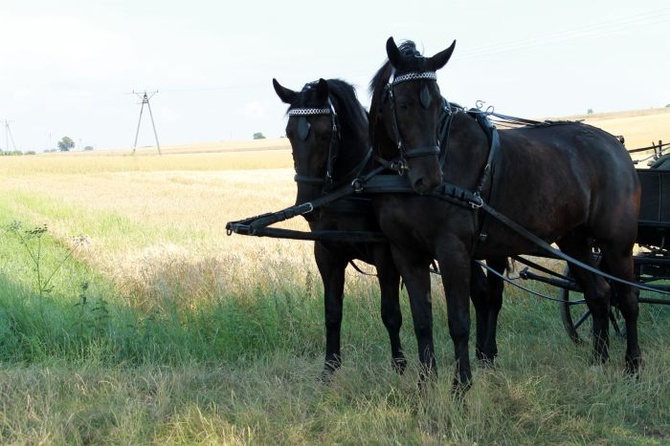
(476, 202)
(400, 166)
(357, 185)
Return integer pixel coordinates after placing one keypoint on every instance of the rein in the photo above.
(477, 202)
(375, 182)
(557, 252)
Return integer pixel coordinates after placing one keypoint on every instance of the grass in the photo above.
(164, 330)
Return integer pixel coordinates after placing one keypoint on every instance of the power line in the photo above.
(595, 30)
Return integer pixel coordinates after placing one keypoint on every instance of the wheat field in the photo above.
(192, 336)
(197, 188)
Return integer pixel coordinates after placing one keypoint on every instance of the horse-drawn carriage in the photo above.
(431, 175)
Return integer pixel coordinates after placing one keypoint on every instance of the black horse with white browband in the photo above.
(566, 183)
(328, 131)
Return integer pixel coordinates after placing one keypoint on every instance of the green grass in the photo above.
(242, 371)
(189, 351)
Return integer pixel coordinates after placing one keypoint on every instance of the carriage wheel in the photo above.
(576, 315)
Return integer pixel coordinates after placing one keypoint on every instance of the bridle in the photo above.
(328, 183)
(333, 146)
(407, 153)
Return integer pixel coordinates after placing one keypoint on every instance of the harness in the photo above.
(444, 127)
(349, 205)
(377, 182)
(339, 197)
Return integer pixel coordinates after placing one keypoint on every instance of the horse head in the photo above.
(405, 111)
(323, 117)
(312, 131)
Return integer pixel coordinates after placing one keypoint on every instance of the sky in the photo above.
(74, 67)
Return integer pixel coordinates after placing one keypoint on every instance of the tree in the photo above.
(258, 135)
(65, 144)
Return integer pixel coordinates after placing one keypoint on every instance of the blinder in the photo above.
(303, 128)
(426, 100)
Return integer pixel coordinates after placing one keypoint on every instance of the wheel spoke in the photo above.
(582, 319)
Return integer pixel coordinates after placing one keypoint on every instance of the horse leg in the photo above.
(415, 272)
(332, 275)
(389, 284)
(486, 292)
(478, 295)
(597, 293)
(456, 270)
(620, 264)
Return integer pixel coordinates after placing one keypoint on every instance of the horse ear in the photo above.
(287, 96)
(322, 90)
(393, 52)
(440, 59)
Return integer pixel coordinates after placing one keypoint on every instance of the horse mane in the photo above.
(352, 115)
(412, 61)
(348, 102)
(381, 78)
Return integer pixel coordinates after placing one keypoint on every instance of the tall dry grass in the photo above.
(190, 336)
(158, 212)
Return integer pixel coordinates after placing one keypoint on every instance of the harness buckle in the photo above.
(400, 166)
(477, 202)
(357, 184)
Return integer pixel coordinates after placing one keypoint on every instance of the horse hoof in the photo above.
(329, 369)
(426, 378)
(326, 376)
(459, 387)
(399, 365)
(633, 367)
(487, 363)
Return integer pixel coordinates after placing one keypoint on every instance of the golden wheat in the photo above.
(184, 198)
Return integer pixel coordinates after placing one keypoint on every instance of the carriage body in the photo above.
(654, 221)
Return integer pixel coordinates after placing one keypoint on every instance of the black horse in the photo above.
(564, 182)
(328, 130)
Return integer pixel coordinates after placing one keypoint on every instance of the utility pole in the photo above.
(8, 136)
(145, 100)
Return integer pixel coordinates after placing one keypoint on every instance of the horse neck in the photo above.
(467, 151)
(353, 148)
